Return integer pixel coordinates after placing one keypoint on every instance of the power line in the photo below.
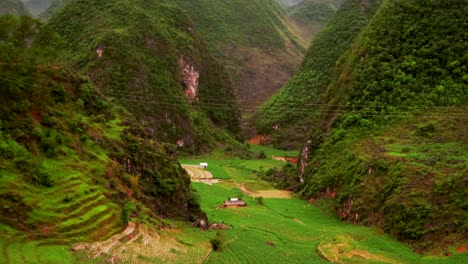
(223, 102)
(363, 113)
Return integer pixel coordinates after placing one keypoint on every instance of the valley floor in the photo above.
(276, 229)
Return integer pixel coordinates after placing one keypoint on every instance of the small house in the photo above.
(203, 165)
(234, 202)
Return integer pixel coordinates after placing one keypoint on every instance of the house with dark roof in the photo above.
(234, 202)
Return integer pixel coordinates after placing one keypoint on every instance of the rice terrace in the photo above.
(233, 131)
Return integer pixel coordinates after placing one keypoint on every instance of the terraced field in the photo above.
(72, 210)
(141, 244)
(82, 226)
(289, 230)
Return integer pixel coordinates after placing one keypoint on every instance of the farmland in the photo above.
(287, 229)
(278, 228)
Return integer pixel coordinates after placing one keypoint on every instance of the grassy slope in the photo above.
(140, 66)
(397, 156)
(72, 164)
(300, 97)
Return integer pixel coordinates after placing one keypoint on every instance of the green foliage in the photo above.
(391, 78)
(145, 47)
(300, 98)
(223, 22)
(421, 70)
(285, 178)
(127, 210)
(218, 242)
(290, 230)
(259, 200)
(70, 157)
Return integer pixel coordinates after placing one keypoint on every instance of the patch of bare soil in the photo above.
(259, 140)
(198, 174)
(266, 193)
(341, 249)
(462, 249)
(140, 244)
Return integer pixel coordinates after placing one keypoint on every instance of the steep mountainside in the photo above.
(73, 165)
(12, 7)
(252, 38)
(36, 7)
(148, 56)
(289, 3)
(309, 16)
(391, 144)
(293, 109)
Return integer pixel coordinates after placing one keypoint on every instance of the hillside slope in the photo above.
(36, 7)
(73, 165)
(15, 7)
(391, 144)
(252, 38)
(292, 108)
(148, 56)
(310, 16)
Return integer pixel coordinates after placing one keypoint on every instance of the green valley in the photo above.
(384, 114)
(210, 131)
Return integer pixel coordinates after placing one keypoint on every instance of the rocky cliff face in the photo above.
(190, 78)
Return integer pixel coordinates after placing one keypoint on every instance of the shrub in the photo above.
(259, 200)
(218, 242)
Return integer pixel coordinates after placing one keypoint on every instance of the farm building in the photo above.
(234, 202)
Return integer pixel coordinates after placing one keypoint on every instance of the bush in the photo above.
(218, 242)
(259, 200)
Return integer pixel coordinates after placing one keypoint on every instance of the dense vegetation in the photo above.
(251, 38)
(139, 53)
(73, 165)
(389, 141)
(298, 99)
(284, 229)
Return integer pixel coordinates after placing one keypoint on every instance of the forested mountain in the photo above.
(252, 38)
(74, 166)
(298, 98)
(148, 56)
(12, 7)
(387, 120)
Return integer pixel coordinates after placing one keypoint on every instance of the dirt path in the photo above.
(266, 193)
(198, 174)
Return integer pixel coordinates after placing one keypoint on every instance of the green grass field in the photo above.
(281, 230)
(290, 230)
